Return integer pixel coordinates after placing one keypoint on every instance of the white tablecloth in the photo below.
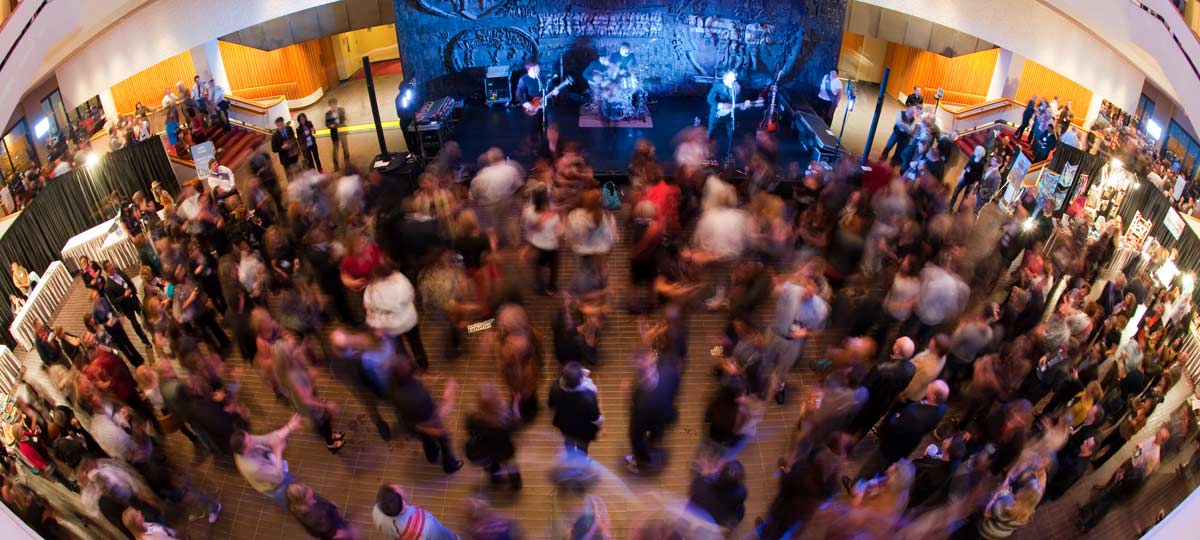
(10, 370)
(42, 303)
(106, 241)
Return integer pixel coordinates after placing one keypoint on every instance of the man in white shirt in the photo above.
(260, 459)
(830, 92)
(168, 99)
(220, 104)
(220, 180)
(492, 190)
(799, 311)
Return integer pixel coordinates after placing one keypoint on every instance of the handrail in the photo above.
(257, 106)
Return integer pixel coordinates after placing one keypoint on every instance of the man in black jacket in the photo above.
(903, 430)
(652, 411)
(284, 143)
(721, 103)
(1027, 116)
(576, 408)
(120, 291)
(804, 484)
(884, 382)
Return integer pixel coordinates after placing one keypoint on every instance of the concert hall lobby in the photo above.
(599, 269)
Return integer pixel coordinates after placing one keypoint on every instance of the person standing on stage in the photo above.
(723, 93)
(530, 87)
(830, 93)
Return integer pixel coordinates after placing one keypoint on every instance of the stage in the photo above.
(607, 148)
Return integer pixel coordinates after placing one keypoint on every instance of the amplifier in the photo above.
(497, 85)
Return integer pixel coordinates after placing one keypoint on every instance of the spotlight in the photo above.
(1117, 164)
(1029, 224)
(92, 159)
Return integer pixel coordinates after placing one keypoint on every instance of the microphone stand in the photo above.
(733, 93)
(544, 104)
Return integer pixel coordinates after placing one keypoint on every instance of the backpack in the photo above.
(611, 197)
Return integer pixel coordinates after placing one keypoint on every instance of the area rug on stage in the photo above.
(591, 119)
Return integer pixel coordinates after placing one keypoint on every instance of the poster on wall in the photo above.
(1173, 222)
(1020, 167)
(1139, 227)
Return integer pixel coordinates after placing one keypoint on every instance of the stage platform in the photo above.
(607, 148)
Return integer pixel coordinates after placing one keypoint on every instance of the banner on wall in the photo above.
(1173, 223)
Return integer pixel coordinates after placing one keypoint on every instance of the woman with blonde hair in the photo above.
(490, 429)
(135, 523)
(477, 251)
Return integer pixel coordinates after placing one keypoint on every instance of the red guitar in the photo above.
(534, 106)
(768, 123)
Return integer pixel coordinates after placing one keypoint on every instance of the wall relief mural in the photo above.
(678, 43)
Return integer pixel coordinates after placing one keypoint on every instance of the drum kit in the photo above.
(617, 94)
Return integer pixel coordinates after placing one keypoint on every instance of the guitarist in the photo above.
(530, 86)
(723, 93)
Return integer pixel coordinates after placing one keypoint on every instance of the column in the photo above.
(1006, 75)
(109, 105)
(209, 64)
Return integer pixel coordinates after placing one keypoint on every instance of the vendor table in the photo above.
(106, 241)
(10, 370)
(43, 302)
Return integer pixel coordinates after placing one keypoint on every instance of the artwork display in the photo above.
(679, 45)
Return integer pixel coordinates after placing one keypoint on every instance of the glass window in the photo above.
(19, 148)
(6, 167)
(1183, 147)
(53, 108)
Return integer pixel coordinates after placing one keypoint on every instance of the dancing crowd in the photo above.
(963, 378)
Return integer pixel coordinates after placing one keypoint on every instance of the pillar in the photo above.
(1006, 75)
(208, 63)
(109, 105)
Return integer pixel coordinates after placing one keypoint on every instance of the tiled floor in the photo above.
(351, 478)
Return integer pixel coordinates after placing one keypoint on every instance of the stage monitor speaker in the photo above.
(816, 135)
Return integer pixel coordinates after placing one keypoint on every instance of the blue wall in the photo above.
(447, 44)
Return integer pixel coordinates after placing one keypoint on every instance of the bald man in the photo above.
(903, 430)
(884, 382)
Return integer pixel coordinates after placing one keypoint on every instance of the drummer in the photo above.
(624, 58)
(601, 72)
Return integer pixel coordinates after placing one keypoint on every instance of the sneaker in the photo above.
(212, 516)
(781, 395)
(631, 465)
(453, 467)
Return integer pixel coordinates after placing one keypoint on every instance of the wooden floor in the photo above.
(350, 479)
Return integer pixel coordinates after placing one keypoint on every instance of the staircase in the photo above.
(235, 145)
(969, 141)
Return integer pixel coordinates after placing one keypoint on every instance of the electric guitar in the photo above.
(726, 109)
(534, 106)
(768, 124)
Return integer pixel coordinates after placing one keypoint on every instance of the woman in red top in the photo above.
(197, 125)
(359, 262)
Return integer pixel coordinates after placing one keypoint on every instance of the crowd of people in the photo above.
(921, 330)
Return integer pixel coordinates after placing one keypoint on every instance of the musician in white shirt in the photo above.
(830, 92)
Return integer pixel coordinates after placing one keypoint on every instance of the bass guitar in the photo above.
(726, 109)
(768, 123)
(534, 106)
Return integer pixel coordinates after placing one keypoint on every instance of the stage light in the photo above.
(41, 128)
(406, 98)
(1153, 129)
(1029, 224)
(92, 159)
(1117, 164)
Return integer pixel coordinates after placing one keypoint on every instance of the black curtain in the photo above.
(1154, 206)
(70, 204)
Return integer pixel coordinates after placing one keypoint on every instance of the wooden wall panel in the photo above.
(304, 64)
(967, 77)
(148, 85)
(1040, 80)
